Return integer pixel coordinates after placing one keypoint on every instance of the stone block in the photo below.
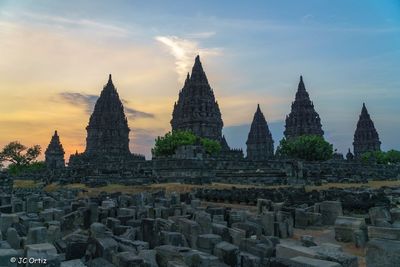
(330, 210)
(346, 226)
(307, 262)
(378, 215)
(6, 255)
(207, 242)
(106, 247)
(128, 259)
(267, 220)
(227, 253)
(13, 238)
(190, 229)
(384, 233)
(76, 245)
(333, 254)
(172, 238)
(6, 220)
(236, 235)
(290, 251)
(249, 260)
(382, 253)
(37, 235)
(72, 263)
(41, 251)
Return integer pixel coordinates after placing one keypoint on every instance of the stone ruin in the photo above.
(69, 228)
(107, 157)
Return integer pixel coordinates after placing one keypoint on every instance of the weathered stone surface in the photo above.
(6, 255)
(227, 253)
(291, 251)
(382, 253)
(72, 263)
(384, 233)
(346, 226)
(37, 235)
(308, 262)
(379, 215)
(330, 210)
(330, 253)
(207, 242)
(41, 251)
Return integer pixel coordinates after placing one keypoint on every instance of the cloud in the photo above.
(184, 51)
(78, 23)
(88, 101)
(200, 35)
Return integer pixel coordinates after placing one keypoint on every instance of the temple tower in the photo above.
(303, 119)
(54, 154)
(260, 145)
(196, 109)
(366, 137)
(108, 131)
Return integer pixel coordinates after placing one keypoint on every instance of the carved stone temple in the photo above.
(303, 119)
(196, 109)
(107, 141)
(54, 154)
(108, 159)
(108, 131)
(260, 145)
(366, 137)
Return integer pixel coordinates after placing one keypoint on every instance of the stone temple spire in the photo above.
(108, 131)
(196, 109)
(366, 137)
(260, 145)
(54, 154)
(303, 119)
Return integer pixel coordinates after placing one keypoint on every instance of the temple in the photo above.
(108, 131)
(260, 145)
(54, 154)
(303, 119)
(107, 141)
(366, 138)
(196, 109)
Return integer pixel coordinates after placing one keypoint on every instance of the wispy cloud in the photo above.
(184, 51)
(78, 23)
(200, 35)
(88, 101)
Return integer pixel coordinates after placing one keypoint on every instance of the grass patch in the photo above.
(24, 184)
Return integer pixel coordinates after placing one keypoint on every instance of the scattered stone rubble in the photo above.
(155, 229)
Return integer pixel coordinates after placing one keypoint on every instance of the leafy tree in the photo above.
(380, 157)
(393, 156)
(211, 146)
(32, 167)
(305, 147)
(21, 158)
(167, 144)
(18, 154)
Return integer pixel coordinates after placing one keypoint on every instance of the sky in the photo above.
(55, 57)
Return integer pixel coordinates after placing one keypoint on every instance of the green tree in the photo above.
(393, 156)
(211, 146)
(305, 147)
(381, 157)
(166, 145)
(18, 154)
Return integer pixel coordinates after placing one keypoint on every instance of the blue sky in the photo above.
(253, 52)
